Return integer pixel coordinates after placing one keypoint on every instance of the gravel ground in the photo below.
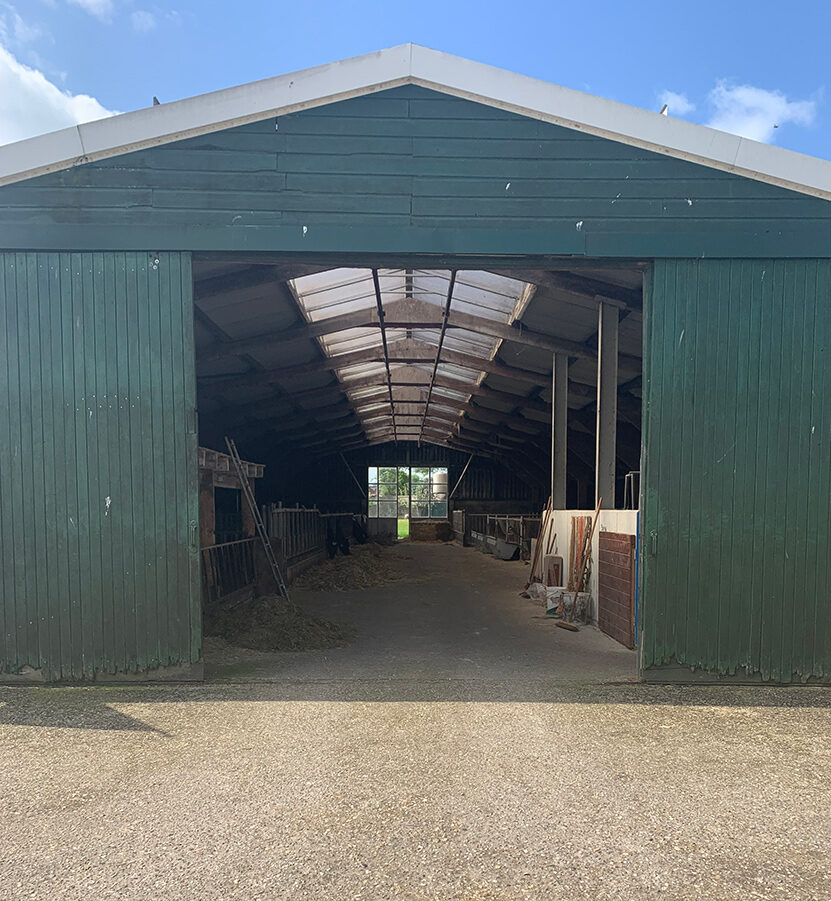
(472, 785)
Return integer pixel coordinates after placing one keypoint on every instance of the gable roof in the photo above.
(410, 64)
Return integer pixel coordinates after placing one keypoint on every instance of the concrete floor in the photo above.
(455, 620)
(441, 764)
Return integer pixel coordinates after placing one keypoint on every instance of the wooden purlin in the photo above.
(216, 461)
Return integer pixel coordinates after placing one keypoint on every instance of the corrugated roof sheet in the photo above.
(324, 295)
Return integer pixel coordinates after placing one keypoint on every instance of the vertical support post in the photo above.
(607, 365)
(559, 430)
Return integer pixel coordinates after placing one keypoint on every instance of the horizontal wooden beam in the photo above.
(289, 418)
(405, 351)
(402, 314)
(508, 265)
(527, 414)
(241, 276)
(289, 432)
(237, 278)
(403, 418)
(493, 417)
(582, 286)
(216, 461)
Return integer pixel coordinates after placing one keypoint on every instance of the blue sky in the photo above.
(741, 66)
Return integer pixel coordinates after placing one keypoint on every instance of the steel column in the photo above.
(607, 366)
(559, 429)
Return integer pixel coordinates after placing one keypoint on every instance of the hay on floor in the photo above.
(271, 623)
(366, 566)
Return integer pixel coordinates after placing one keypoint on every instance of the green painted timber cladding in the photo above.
(99, 568)
(410, 171)
(737, 480)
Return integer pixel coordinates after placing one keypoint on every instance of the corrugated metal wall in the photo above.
(738, 468)
(98, 489)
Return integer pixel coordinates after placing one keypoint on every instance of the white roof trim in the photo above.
(411, 64)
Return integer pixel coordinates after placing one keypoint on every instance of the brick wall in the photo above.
(616, 587)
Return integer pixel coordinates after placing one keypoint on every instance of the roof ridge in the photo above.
(413, 64)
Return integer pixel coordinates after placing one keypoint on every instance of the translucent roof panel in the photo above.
(339, 291)
(359, 394)
(450, 394)
(437, 403)
(367, 406)
(460, 373)
(361, 370)
(359, 339)
(336, 293)
(465, 342)
(476, 292)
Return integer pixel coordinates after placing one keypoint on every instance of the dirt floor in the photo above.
(460, 748)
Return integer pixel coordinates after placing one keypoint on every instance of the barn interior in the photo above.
(416, 394)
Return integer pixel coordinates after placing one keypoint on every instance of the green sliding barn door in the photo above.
(737, 481)
(99, 565)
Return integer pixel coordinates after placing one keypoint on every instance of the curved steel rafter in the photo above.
(444, 320)
(380, 304)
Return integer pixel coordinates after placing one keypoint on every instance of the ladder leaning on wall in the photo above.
(245, 485)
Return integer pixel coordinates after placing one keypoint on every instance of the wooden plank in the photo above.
(216, 461)
(526, 182)
(93, 589)
(732, 489)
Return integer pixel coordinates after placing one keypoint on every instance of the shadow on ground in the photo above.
(453, 630)
(92, 708)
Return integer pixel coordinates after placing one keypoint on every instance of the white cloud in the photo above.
(101, 9)
(754, 112)
(143, 21)
(30, 104)
(679, 104)
(13, 29)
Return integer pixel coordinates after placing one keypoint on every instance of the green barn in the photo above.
(411, 260)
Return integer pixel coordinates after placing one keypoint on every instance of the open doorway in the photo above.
(406, 396)
(406, 494)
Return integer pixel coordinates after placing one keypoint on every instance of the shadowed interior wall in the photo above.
(99, 567)
(488, 486)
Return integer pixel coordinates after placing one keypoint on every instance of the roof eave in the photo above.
(412, 64)
(620, 122)
(204, 114)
